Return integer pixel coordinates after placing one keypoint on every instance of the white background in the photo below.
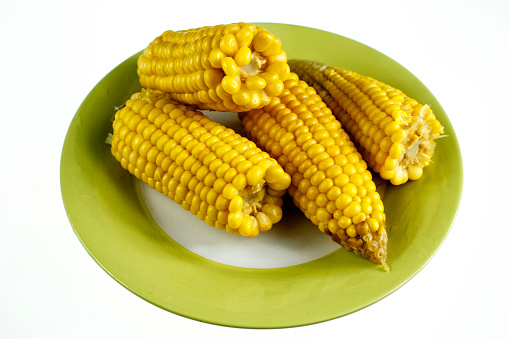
(54, 52)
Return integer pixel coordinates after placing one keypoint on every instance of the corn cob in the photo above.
(209, 169)
(232, 68)
(395, 134)
(330, 180)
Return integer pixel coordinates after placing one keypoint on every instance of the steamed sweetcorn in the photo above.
(395, 134)
(330, 181)
(230, 68)
(210, 170)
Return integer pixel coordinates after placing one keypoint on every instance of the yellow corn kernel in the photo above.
(243, 56)
(280, 68)
(397, 133)
(270, 77)
(246, 226)
(184, 157)
(243, 96)
(235, 219)
(255, 82)
(216, 57)
(333, 226)
(343, 200)
(328, 175)
(351, 231)
(352, 209)
(189, 65)
(373, 224)
(236, 204)
(229, 66)
(344, 222)
(273, 211)
(262, 41)
(274, 89)
(240, 181)
(277, 178)
(255, 175)
(228, 44)
(264, 222)
(244, 37)
(414, 172)
(359, 218)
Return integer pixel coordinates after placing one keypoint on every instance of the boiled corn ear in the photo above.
(235, 67)
(210, 170)
(330, 180)
(395, 134)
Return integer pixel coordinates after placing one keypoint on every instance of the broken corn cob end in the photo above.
(395, 134)
(210, 170)
(230, 68)
(330, 182)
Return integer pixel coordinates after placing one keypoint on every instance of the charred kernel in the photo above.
(362, 228)
(355, 242)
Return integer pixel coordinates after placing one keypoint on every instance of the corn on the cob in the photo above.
(210, 170)
(395, 134)
(330, 180)
(232, 68)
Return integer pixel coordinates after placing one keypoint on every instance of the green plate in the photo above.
(108, 214)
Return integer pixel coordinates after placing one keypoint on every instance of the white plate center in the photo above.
(292, 241)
